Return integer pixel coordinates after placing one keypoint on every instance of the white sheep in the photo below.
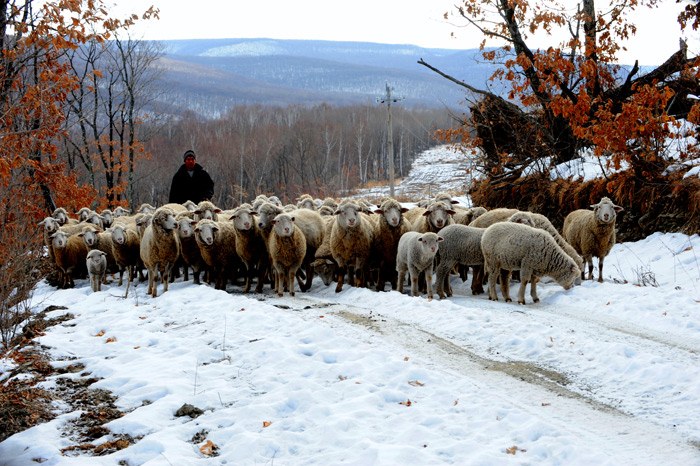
(351, 243)
(160, 248)
(206, 210)
(434, 218)
(189, 249)
(416, 254)
(592, 233)
(461, 245)
(250, 246)
(145, 208)
(83, 213)
(190, 206)
(120, 211)
(509, 246)
(217, 244)
(102, 241)
(107, 218)
(305, 201)
(313, 227)
(389, 225)
(323, 264)
(126, 247)
(96, 263)
(287, 246)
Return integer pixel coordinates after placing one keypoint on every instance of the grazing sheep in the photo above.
(160, 248)
(102, 241)
(509, 246)
(543, 223)
(120, 211)
(126, 247)
(217, 244)
(416, 254)
(189, 249)
(287, 246)
(323, 264)
(461, 245)
(206, 210)
(312, 226)
(390, 225)
(351, 243)
(250, 245)
(96, 263)
(434, 218)
(70, 252)
(592, 233)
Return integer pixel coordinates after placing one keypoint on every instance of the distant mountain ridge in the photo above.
(209, 76)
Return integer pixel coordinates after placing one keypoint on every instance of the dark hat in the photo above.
(187, 154)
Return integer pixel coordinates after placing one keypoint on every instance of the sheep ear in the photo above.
(404, 210)
(440, 238)
(379, 211)
(454, 202)
(272, 222)
(618, 208)
(232, 217)
(426, 213)
(252, 212)
(420, 239)
(451, 212)
(217, 210)
(593, 206)
(292, 219)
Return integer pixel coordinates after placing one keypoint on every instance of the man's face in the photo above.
(189, 162)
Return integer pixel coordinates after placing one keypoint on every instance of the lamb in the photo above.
(461, 245)
(509, 246)
(351, 242)
(250, 245)
(206, 209)
(189, 249)
(416, 254)
(69, 253)
(160, 248)
(592, 233)
(96, 263)
(390, 225)
(217, 244)
(102, 241)
(287, 246)
(435, 217)
(126, 247)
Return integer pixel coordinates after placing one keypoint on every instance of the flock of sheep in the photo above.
(266, 242)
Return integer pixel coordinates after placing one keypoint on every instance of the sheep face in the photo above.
(83, 214)
(50, 225)
(107, 217)
(95, 219)
(324, 268)
(429, 244)
(283, 225)
(605, 211)
(118, 235)
(392, 214)
(307, 204)
(185, 227)
(348, 215)
(206, 232)
(274, 200)
(266, 213)
(243, 219)
(59, 239)
(89, 238)
(60, 215)
(166, 220)
(438, 214)
(96, 259)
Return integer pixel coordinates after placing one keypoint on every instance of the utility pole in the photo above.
(388, 99)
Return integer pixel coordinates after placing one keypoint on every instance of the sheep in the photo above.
(83, 213)
(461, 245)
(160, 248)
(389, 226)
(61, 215)
(126, 247)
(466, 216)
(416, 254)
(145, 208)
(175, 207)
(142, 222)
(206, 209)
(509, 246)
(120, 211)
(312, 226)
(69, 253)
(325, 210)
(351, 241)
(190, 206)
(592, 233)
(50, 226)
(107, 218)
(266, 213)
(95, 219)
(258, 201)
(102, 241)
(330, 202)
(96, 262)
(305, 201)
(323, 264)
(250, 245)
(274, 200)
(189, 249)
(435, 217)
(493, 216)
(217, 244)
(287, 246)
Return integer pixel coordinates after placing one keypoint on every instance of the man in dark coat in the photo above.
(191, 182)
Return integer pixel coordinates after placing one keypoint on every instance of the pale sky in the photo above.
(418, 22)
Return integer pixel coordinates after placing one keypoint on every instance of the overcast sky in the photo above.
(418, 22)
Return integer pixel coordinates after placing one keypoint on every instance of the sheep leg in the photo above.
(505, 284)
(600, 269)
(415, 276)
(341, 279)
(589, 262)
(442, 278)
(196, 272)
(280, 277)
(429, 280)
(290, 281)
(525, 277)
(169, 273)
(533, 289)
(401, 279)
(248, 276)
(477, 279)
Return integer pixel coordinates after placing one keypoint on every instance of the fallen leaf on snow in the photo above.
(415, 383)
(100, 333)
(546, 404)
(511, 450)
(266, 424)
(111, 340)
(208, 448)
(406, 403)
(342, 378)
(406, 358)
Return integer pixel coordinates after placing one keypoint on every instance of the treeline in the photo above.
(321, 150)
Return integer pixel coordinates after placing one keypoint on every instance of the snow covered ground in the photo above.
(603, 374)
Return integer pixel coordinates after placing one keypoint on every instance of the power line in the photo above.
(388, 99)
